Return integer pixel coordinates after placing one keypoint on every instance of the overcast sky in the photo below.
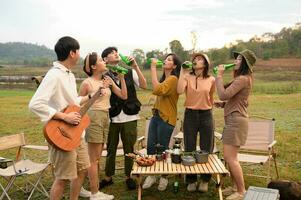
(148, 25)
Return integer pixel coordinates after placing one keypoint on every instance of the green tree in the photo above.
(153, 54)
(177, 48)
(139, 56)
(218, 56)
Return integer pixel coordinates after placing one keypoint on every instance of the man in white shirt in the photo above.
(56, 92)
(124, 116)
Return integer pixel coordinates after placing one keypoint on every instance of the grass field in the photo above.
(276, 76)
(275, 95)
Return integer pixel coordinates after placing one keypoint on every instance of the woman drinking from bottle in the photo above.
(164, 112)
(97, 132)
(199, 87)
(236, 95)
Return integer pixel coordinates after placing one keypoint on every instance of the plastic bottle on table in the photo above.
(176, 187)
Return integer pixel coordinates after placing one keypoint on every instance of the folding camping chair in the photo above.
(21, 167)
(37, 79)
(259, 147)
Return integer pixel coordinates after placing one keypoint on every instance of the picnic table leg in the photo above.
(218, 179)
(139, 187)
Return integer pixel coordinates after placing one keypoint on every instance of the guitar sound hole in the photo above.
(64, 133)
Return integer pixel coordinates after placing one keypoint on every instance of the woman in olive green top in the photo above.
(165, 110)
(236, 95)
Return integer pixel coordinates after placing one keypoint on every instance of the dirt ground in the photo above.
(279, 63)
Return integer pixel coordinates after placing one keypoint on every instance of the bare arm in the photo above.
(155, 81)
(84, 91)
(212, 90)
(141, 78)
(182, 83)
(124, 91)
(120, 92)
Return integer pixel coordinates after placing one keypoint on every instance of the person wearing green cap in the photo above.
(235, 94)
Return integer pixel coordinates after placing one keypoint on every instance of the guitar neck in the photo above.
(90, 102)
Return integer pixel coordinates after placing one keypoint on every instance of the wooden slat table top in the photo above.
(213, 166)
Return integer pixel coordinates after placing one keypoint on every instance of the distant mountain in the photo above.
(20, 53)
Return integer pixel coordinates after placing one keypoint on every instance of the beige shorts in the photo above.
(236, 129)
(98, 130)
(67, 164)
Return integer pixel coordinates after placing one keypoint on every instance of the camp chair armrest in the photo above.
(140, 139)
(272, 144)
(218, 135)
(261, 117)
(37, 147)
(5, 160)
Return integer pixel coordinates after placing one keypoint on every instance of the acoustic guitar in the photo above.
(66, 136)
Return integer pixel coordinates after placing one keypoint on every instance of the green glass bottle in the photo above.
(159, 62)
(125, 59)
(176, 187)
(187, 65)
(227, 66)
(118, 69)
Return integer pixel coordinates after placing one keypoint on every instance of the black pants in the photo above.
(198, 121)
(128, 134)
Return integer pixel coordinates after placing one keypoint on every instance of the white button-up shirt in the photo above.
(56, 92)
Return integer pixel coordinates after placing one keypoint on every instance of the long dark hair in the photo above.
(242, 70)
(176, 71)
(92, 61)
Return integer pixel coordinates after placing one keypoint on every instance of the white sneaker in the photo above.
(235, 196)
(229, 190)
(192, 187)
(163, 182)
(101, 196)
(203, 186)
(84, 193)
(149, 181)
(108, 196)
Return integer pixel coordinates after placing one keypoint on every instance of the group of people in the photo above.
(115, 113)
